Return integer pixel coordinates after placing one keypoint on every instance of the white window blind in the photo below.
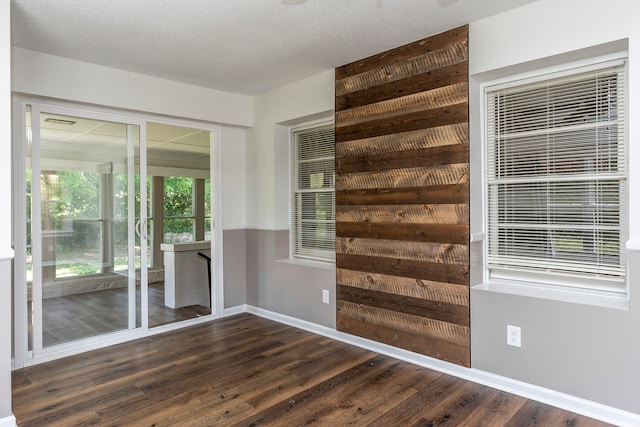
(556, 179)
(313, 230)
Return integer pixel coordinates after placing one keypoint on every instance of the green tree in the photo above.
(178, 196)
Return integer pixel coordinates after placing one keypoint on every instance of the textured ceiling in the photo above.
(243, 46)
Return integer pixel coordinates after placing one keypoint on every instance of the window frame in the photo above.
(543, 280)
(295, 214)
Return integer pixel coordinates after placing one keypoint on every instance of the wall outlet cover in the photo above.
(514, 336)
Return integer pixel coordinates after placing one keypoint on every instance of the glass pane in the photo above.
(83, 185)
(186, 149)
(207, 201)
(178, 196)
(207, 229)
(317, 221)
(178, 230)
(71, 221)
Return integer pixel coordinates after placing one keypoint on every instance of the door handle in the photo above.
(143, 229)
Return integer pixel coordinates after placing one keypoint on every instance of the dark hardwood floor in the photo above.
(78, 316)
(246, 370)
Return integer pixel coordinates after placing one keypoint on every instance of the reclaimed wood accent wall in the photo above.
(402, 197)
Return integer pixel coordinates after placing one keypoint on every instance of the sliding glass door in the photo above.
(100, 198)
(86, 233)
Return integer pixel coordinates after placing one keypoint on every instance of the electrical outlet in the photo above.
(325, 296)
(514, 336)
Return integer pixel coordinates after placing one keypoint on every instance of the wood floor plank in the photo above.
(538, 414)
(245, 370)
(497, 411)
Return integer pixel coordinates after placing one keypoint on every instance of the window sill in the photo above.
(327, 265)
(576, 296)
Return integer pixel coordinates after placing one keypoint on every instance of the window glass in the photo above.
(556, 179)
(313, 198)
(178, 210)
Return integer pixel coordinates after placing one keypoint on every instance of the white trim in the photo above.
(131, 223)
(476, 237)
(233, 228)
(323, 121)
(36, 236)
(550, 71)
(633, 245)
(550, 397)
(144, 238)
(217, 237)
(614, 300)
(232, 311)
(19, 222)
(9, 421)
(7, 254)
(170, 171)
(327, 265)
(264, 228)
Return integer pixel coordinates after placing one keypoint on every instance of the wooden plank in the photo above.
(416, 102)
(457, 133)
(433, 176)
(457, 409)
(398, 214)
(421, 326)
(538, 414)
(328, 397)
(451, 114)
(496, 411)
(417, 288)
(401, 249)
(447, 273)
(398, 338)
(435, 233)
(450, 313)
(438, 404)
(423, 158)
(448, 55)
(449, 75)
(355, 404)
(439, 194)
(430, 396)
(403, 53)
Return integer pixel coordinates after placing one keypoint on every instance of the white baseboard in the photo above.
(550, 397)
(9, 421)
(232, 311)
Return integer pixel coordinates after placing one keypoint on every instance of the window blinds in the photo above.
(313, 197)
(556, 177)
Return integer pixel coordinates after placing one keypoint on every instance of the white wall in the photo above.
(267, 145)
(575, 347)
(234, 179)
(283, 287)
(63, 78)
(6, 253)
